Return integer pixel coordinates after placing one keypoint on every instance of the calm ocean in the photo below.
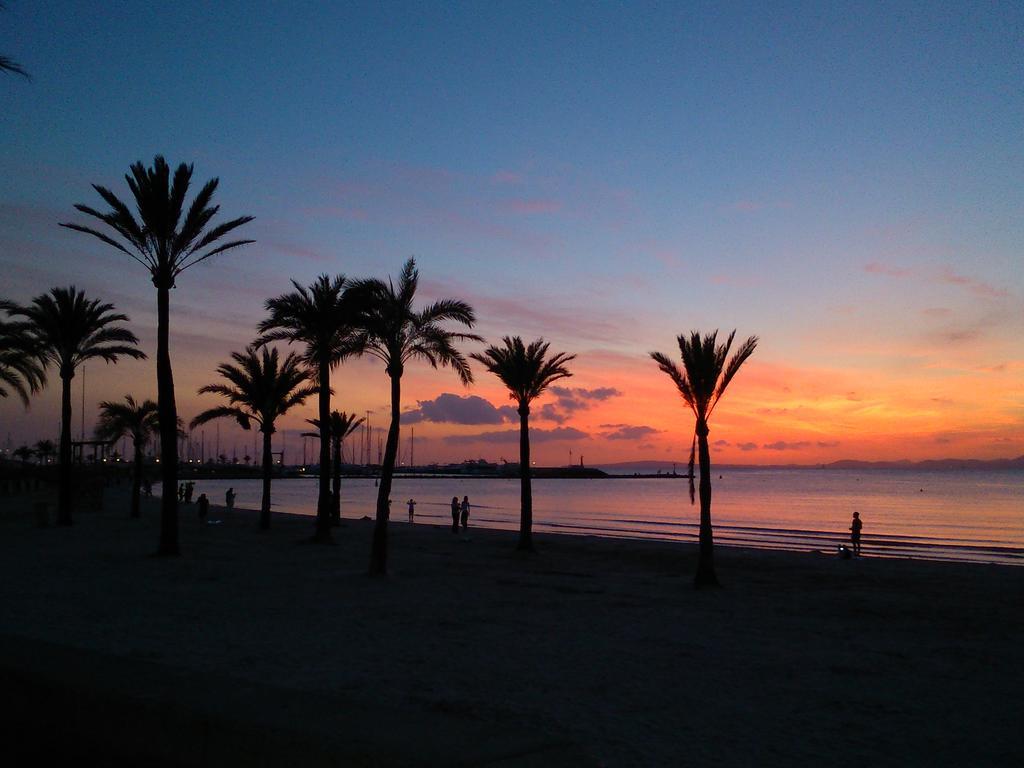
(949, 515)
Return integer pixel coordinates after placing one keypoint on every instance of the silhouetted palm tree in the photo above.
(24, 453)
(166, 246)
(44, 450)
(9, 65)
(395, 333)
(342, 425)
(20, 368)
(526, 371)
(260, 389)
(702, 381)
(320, 318)
(67, 330)
(130, 419)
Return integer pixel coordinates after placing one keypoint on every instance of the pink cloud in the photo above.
(507, 177)
(336, 212)
(746, 206)
(974, 286)
(530, 206)
(736, 282)
(876, 268)
(946, 275)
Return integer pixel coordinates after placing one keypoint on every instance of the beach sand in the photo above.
(798, 658)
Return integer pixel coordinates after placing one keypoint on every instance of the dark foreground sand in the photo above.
(799, 659)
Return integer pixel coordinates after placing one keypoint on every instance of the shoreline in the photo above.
(743, 537)
(594, 642)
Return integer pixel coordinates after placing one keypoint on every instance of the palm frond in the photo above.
(161, 239)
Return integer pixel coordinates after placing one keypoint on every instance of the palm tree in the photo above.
(393, 332)
(44, 450)
(342, 425)
(260, 389)
(526, 371)
(24, 453)
(132, 419)
(165, 249)
(9, 65)
(20, 369)
(68, 329)
(702, 381)
(321, 318)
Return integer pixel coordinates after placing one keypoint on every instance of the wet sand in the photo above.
(599, 642)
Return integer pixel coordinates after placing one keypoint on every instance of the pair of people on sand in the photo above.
(460, 513)
(185, 491)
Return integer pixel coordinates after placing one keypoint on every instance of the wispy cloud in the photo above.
(336, 212)
(976, 287)
(782, 445)
(877, 268)
(511, 436)
(449, 408)
(570, 400)
(944, 275)
(507, 177)
(529, 206)
(628, 431)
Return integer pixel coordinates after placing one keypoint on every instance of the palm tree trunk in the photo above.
(323, 501)
(168, 415)
(379, 551)
(64, 470)
(268, 468)
(137, 479)
(336, 482)
(706, 559)
(525, 487)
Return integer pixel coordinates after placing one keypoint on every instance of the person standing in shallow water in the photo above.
(455, 514)
(465, 512)
(855, 527)
(229, 499)
(412, 508)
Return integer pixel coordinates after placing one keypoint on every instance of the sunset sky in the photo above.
(845, 183)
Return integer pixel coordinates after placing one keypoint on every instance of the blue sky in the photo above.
(843, 180)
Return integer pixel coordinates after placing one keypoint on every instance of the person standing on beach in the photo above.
(181, 491)
(855, 527)
(190, 488)
(203, 504)
(465, 512)
(455, 514)
(229, 499)
(412, 508)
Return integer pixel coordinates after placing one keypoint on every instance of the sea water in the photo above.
(967, 515)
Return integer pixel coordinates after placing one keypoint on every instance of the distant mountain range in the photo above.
(984, 464)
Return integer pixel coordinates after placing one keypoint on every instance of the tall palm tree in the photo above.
(526, 371)
(342, 425)
(132, 419)
(9, 65)
(395, 333)
(20, 369)
(68, 329)
(260, 388)
(44, 450)
(702, 381)
(166, 246)
(321, 318)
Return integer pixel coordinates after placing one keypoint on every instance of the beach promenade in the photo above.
(263, 649)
